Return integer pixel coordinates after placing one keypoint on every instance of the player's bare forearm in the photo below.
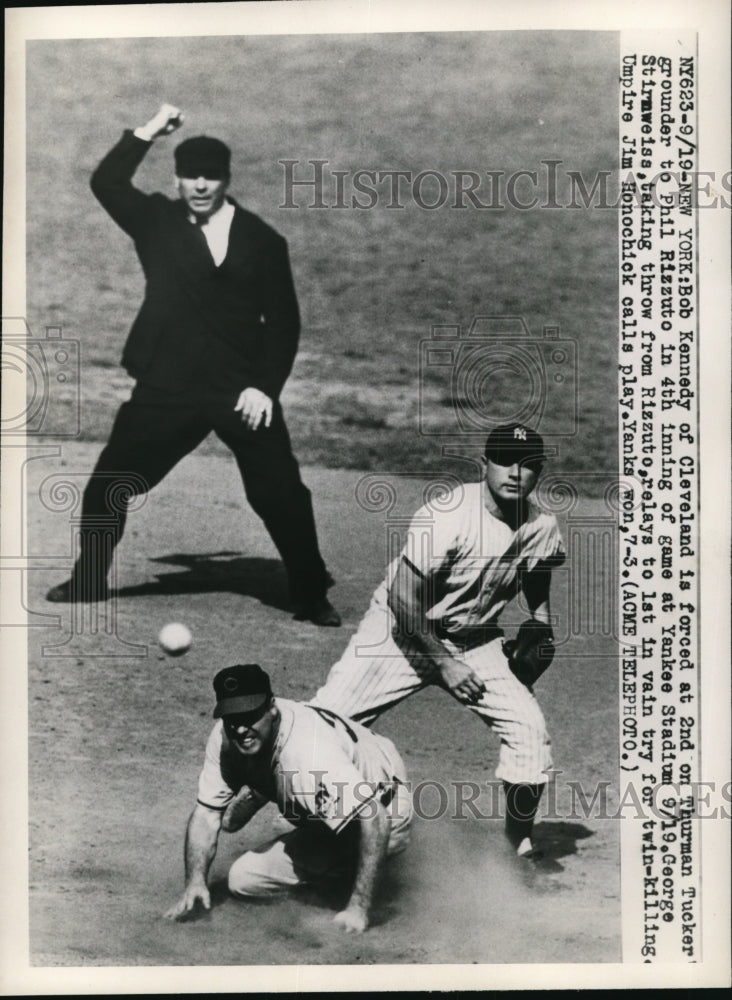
(407, 603)
(202, 834)
(373, 844)
(202, 837)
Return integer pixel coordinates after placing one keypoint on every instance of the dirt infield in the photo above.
(117, 734)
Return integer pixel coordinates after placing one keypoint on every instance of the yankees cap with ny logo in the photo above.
(514, 443)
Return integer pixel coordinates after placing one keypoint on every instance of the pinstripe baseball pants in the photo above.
(377, 671)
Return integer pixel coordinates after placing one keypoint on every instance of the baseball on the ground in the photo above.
(175, 638)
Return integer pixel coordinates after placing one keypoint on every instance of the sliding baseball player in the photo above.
(342, 787)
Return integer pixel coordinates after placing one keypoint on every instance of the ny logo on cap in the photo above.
(519, 433)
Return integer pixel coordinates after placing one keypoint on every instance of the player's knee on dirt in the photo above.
(264, 872)
(249, 878)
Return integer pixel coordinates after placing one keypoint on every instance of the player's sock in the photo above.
(522, 802)
(525, 847)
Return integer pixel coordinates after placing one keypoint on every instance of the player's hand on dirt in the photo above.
(461, 680)
(186, 905)
(255, 407)
(167, 120)
(351, 921)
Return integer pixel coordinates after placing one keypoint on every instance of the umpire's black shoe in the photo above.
(76, 591)
(319, 612)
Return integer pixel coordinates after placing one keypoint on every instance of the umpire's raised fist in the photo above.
(167, 120)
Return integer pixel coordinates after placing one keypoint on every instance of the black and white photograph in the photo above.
(364, 621)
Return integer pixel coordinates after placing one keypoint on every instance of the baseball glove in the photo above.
(531, 652)
(242, 807)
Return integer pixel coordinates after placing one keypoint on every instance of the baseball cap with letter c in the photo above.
(241, 689)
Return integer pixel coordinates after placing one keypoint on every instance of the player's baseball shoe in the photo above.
(75, 591)
(532, 859)
(319, 612)
(539, 862)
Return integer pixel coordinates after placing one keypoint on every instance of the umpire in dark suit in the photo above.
(211, 349)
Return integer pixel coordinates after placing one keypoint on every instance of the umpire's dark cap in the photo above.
(514, 443)
(203, 156)
(241, 689)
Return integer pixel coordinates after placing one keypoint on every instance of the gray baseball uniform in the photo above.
(323, 772)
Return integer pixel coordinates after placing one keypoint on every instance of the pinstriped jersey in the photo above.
(472, 563)
(321, 766)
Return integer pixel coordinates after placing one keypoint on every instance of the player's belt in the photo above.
(469, 638)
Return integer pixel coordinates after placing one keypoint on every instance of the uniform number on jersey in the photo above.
(326, 805)
(331, 718)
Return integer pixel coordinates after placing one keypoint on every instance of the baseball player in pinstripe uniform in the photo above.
(434, 619)
(342, 787)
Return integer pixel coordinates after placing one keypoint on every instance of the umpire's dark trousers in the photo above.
(154, 430)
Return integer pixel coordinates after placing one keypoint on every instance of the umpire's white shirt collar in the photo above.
(216, 230)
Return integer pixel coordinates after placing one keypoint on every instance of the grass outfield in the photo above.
(371, 284)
